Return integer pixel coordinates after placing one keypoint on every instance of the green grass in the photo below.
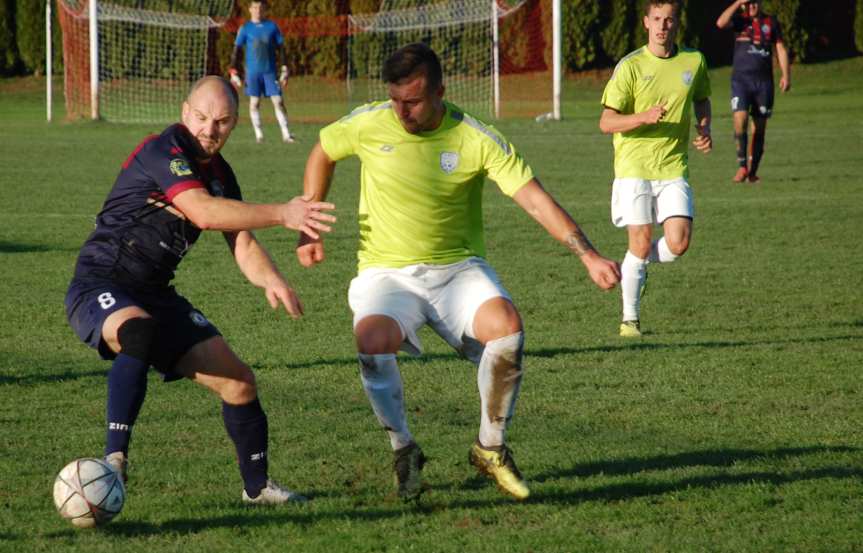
(734, 425)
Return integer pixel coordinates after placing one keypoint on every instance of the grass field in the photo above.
(735, 424)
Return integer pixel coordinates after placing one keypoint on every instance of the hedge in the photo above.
(597, 33)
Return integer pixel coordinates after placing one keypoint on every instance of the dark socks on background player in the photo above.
(247, 428)
(757, 154)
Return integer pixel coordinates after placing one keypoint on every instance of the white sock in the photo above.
(499, 380)
(281, 116)
(660, 253)
(255, 116)
(633, 271)
(383, 385)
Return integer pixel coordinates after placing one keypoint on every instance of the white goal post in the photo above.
(132, 65)
(464, 33)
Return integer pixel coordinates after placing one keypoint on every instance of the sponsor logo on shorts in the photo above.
(180, 167)
(687, 77)
(448, 162)
(198, 318)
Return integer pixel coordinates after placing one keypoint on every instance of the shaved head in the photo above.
(213, 85)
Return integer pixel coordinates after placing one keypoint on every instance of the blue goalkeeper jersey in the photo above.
(260, 41)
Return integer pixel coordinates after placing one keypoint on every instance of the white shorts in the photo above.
(445, 297)
(645, 202)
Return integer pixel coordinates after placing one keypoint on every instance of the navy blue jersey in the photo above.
(140, 237)
(753, 44)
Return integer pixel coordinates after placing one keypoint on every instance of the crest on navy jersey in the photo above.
(180, 167)
(687, 77)
(448, 162)
(216, 188)
(198, 318)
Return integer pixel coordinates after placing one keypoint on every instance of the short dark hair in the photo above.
(678, 7)
(405, 61)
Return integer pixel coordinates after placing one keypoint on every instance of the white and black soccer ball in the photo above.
(88, 492)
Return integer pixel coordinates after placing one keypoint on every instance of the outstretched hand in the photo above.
(280, 292)
(307, 216)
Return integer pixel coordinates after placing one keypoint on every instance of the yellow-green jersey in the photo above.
(640, 81)
(421, 194)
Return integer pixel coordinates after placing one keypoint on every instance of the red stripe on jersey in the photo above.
(140, 147)
(756, 30)
(182, 186)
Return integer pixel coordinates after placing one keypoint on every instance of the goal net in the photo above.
(464, 33)
(147, 59)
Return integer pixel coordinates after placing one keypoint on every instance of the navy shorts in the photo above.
(754, 96)
(179, 325)
(262, 84)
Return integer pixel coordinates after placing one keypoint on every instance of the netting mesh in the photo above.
(459, 31)
(151, 50)
(147, 59)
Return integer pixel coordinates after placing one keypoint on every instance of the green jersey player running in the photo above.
(421, 252)
(646, 104)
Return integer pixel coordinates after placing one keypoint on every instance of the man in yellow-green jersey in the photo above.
(421, 252)
(646, 104)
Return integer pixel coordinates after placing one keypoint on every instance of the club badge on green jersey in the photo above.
(687, 77)
(448, 162)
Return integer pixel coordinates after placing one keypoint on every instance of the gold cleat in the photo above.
(500, 466)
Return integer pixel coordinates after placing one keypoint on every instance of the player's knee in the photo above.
(238, 390)
(377, 334)
(135, 337)
(679, 245)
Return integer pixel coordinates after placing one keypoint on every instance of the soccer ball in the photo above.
(88, 492)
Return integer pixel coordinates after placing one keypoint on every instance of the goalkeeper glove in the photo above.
(235, 78)
(283, 75)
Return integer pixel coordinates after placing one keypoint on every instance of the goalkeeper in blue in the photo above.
(262, 41)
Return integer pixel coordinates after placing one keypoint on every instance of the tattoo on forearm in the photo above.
(578, 242)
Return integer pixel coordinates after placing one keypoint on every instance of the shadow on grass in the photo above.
(710, 457)
(11, 247)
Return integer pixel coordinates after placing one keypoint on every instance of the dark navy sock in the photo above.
(757, 152)
(742, 146)
(127, 387)
(247, 428)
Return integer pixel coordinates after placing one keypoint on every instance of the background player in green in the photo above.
(646, 105)
(421, 250)
(263, 43)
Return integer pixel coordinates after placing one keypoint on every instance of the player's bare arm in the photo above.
(703, 141)
(209, 212)
(724, 19)
(233, 67)
(316, 185)
(282, 61)
(612, 121)
(784, 66)
(545, 210)
(258, 267)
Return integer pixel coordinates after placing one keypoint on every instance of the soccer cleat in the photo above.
(289, 139)
(408, 464)
(754, 179)
(630, 329)
(274, 494)
(741, 175)
(500, 466)
(259, 139)
(119, 462)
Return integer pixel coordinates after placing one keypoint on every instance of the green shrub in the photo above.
(30, 34)
(8, 49)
